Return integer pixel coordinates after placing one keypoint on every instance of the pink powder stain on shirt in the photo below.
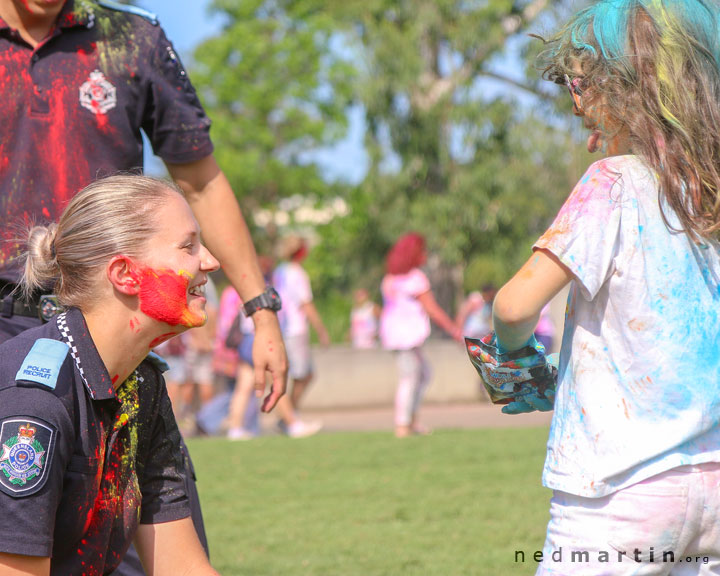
(163, 296)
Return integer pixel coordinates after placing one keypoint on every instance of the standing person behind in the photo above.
(199, 387)
(408, 307)
(242, 419)
(298, 314)
(172, 351)
(364, 318)
(545, 329)
(475, 313)
(81, 79)
(633, 455)
(91, 451)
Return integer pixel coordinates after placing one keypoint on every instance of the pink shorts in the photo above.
(666, 525)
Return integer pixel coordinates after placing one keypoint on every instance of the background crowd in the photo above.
(211, 374)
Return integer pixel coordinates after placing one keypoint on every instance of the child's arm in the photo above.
(518, 304)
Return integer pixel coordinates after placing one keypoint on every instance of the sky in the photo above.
(187, 23)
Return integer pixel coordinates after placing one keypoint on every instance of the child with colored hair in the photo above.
(408, 307)
(634, 449)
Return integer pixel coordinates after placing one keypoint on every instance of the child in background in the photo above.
(633, 456)
(475, 313)
(408, 307)
(363, 321)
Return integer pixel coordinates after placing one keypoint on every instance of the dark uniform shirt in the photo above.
(72, 109)
(80, 465)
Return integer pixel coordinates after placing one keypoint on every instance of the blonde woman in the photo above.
(90, 449)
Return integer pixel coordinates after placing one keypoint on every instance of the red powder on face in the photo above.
(135, 325)
(163, 296)
(163, 338)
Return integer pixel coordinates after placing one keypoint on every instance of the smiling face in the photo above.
(174, 268)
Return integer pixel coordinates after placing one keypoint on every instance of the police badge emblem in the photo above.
(27, 446)
(97, 94)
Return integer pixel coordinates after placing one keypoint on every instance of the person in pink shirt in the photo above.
(408, 307)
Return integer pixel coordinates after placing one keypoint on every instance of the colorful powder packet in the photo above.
(508, 376)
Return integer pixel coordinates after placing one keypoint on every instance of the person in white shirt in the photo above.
(633, 457)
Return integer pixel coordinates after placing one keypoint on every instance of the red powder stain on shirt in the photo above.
(163, 296)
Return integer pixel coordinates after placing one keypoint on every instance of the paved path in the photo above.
(436, 416)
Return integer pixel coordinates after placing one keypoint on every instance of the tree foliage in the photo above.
(276, 91)
(462, 147)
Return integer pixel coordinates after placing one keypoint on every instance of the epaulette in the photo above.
(43, 362)
(109, 4)
(158, 362)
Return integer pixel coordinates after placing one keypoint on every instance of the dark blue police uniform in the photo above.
(72, 110)
(82, 465)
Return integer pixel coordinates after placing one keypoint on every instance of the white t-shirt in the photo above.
(404, 324)
(293, 285)
(363, 326)
(639, 377)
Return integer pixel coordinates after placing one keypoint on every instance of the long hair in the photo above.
(654, 65)
(407, 253)
(114, 215)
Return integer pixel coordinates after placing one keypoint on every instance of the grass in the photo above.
(459, 502)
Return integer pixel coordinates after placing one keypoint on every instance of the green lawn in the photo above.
(459, 502)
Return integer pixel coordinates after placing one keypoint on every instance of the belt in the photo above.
(44, 308)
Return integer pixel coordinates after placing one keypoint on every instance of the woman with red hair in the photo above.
(408, 307)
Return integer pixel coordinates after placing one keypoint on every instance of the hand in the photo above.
(457, 334)
(323, 338)
(522, 377)
(269, 355)
(532, 401)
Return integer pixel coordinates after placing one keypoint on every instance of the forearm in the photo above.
(512, 334)
(172, 549)
(518, 304)
(224, 230)
(227, 237)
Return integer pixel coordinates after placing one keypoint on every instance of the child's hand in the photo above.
(531, 402)
(523, 379)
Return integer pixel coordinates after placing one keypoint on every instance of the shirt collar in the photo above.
(75, 333)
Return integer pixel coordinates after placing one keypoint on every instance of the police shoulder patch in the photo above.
(43, 362)
(27, 446)
(130, 10)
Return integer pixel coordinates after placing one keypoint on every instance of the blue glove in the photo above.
(521, 377)
(532, 400)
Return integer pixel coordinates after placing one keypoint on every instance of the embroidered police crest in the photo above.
(27, 446)
(97, 94)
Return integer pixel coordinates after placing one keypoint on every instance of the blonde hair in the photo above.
(111, 216)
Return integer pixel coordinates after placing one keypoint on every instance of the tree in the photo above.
(276, 90)
(480, 175)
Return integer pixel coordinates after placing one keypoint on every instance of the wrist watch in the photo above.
(268, 299)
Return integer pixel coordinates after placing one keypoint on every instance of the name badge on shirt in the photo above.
(43, 362)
